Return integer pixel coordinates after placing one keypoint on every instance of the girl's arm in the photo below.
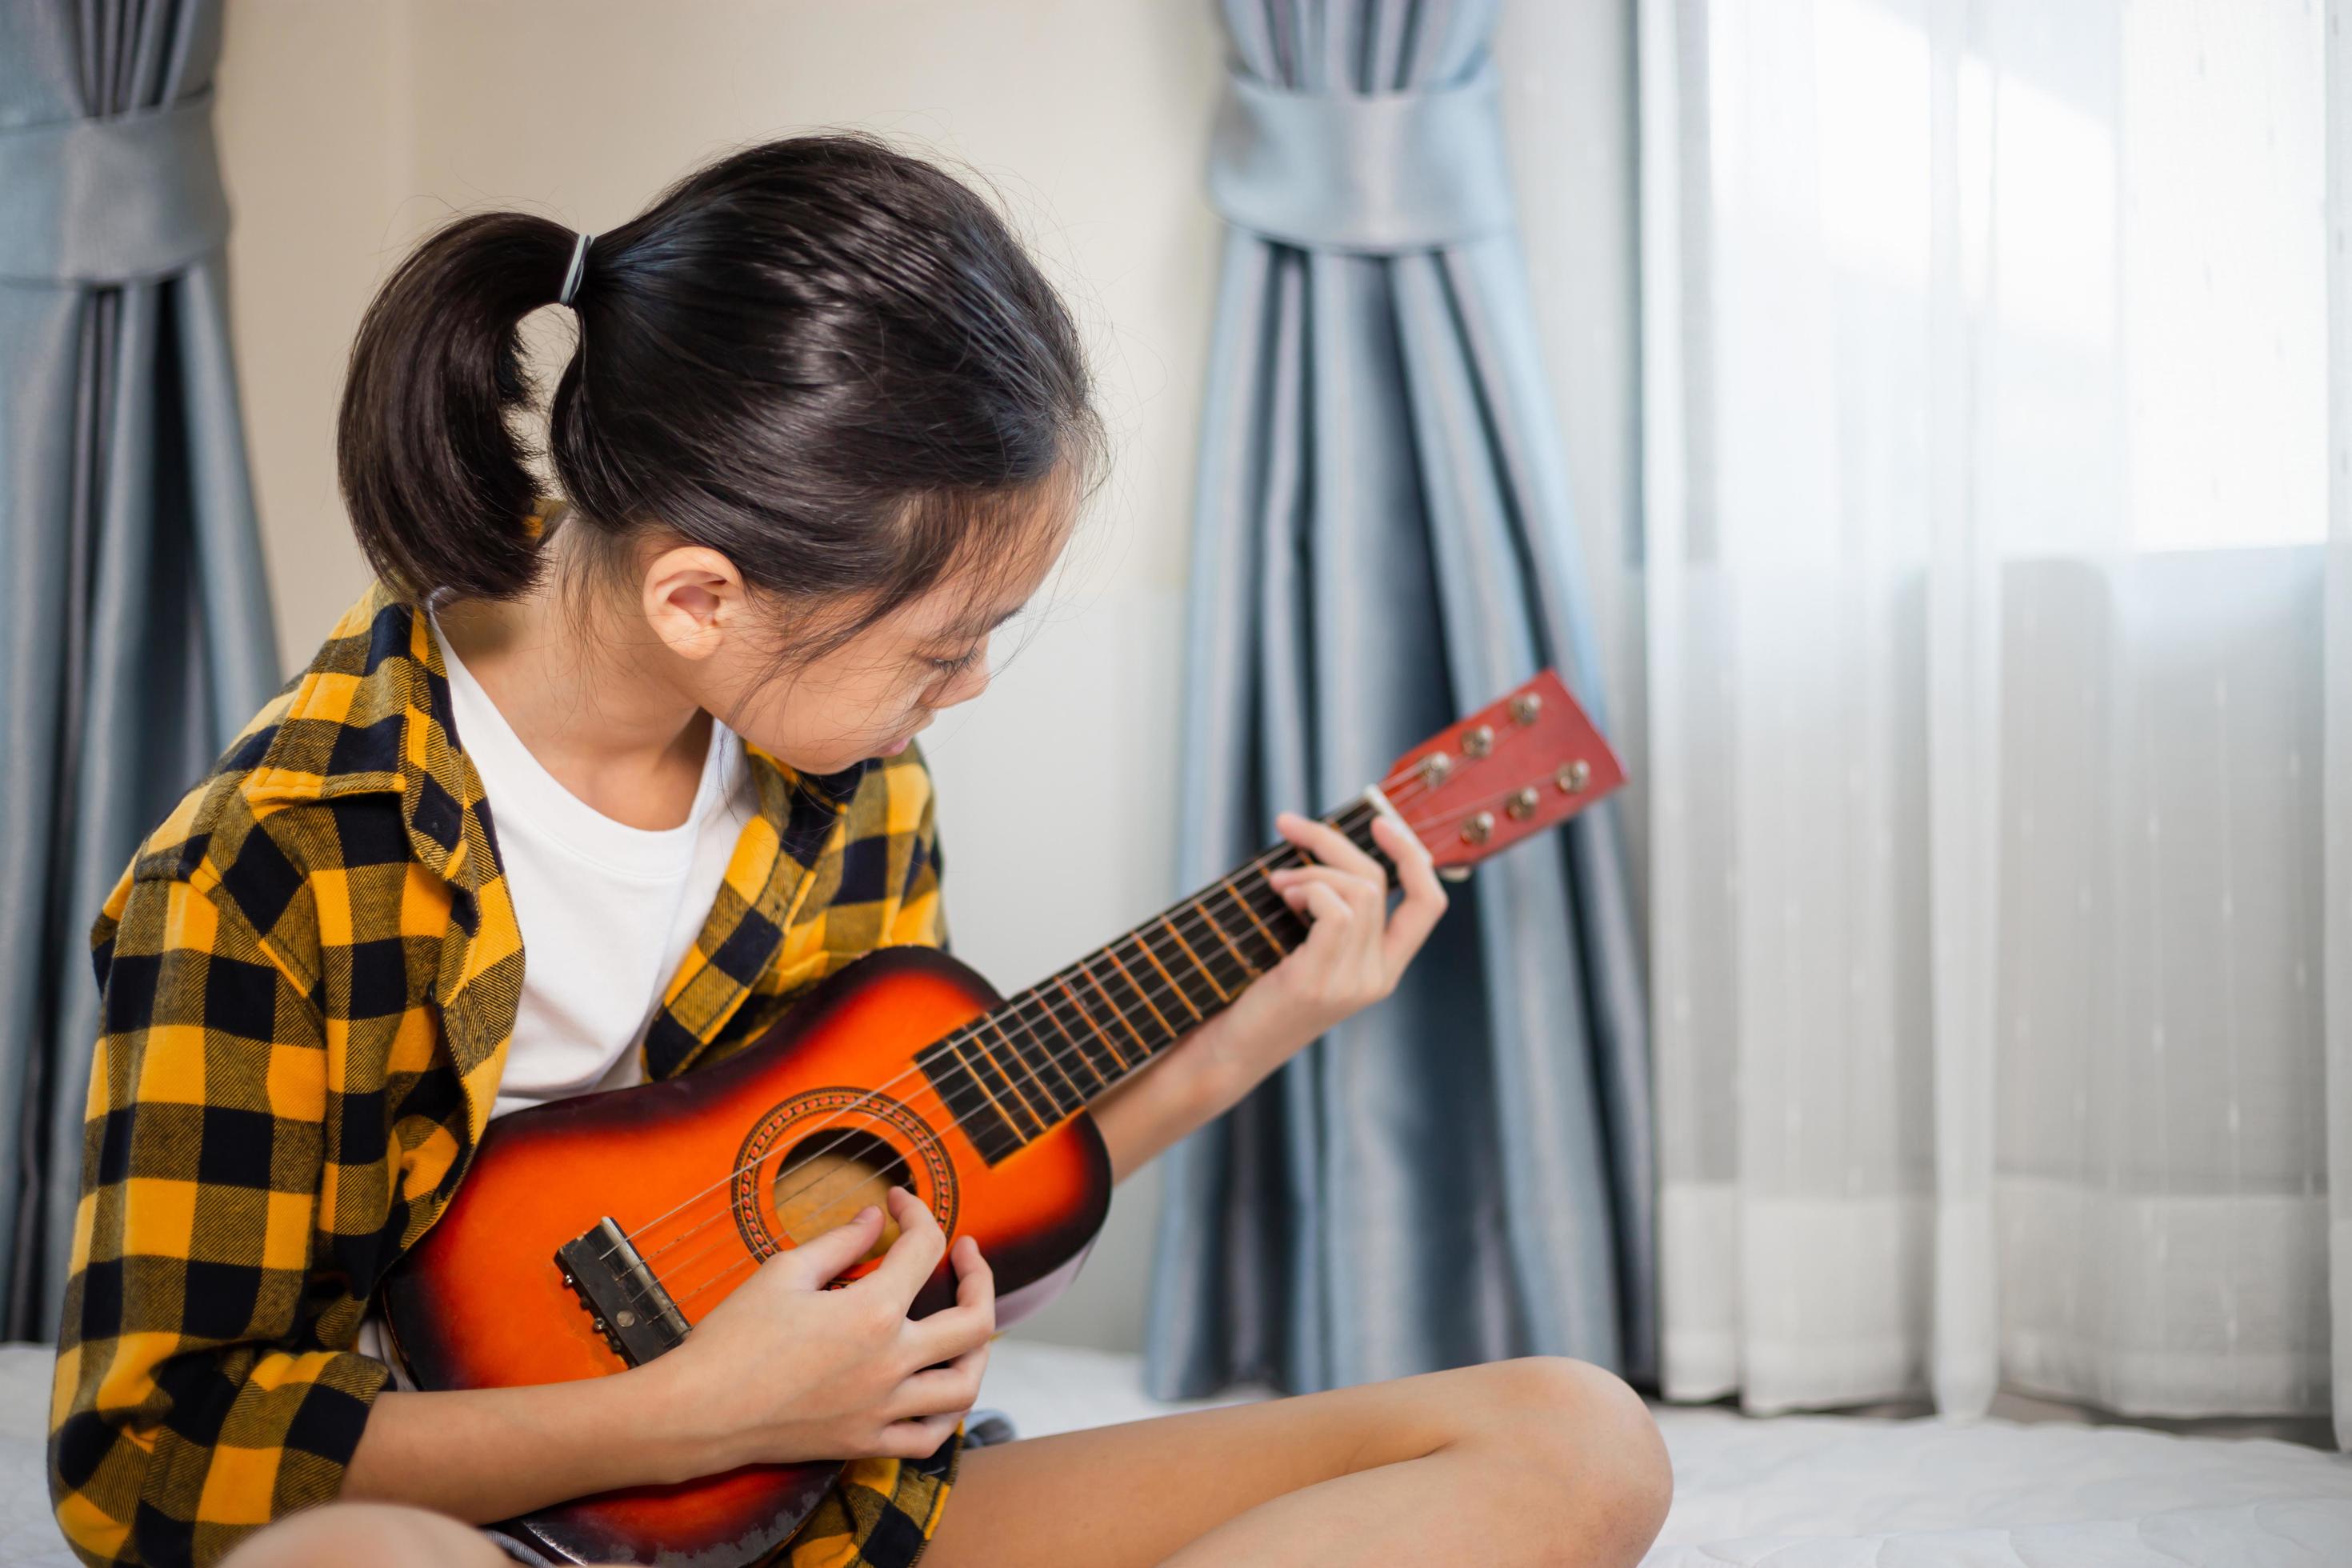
(192, 1401)
(780, 1371)
(1354, 950)
(486, 1454)
(1169, 1098)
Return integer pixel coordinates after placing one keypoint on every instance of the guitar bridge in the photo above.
(629, 1306)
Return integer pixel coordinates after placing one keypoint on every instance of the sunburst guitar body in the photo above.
(593, 1233)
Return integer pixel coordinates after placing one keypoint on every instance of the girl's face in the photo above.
(866, 698)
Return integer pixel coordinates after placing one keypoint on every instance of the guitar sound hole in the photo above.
(830, 1175)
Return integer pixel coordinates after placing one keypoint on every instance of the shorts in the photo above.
(881, 1513)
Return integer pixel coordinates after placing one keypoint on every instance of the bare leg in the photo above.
(1539, 1460)
(367, 1535)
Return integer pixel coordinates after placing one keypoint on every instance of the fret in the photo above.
(1205, 974)
(1111, 952)
(1180, 991)
(994, 1135)
(1075, 1046)
(1087, 1013)
(1024, 1060)
(1034, 1058)
(1036, 1062)
(1281, 949)
(1198, 974)
(1014, 1089)
(998, 1094)
(1249, 970)
(1122, 1016)
(1068, 1063)
(1278, 910)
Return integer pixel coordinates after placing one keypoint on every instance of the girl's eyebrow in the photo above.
(974, 625)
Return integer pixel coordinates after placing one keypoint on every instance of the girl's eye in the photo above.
(954, 666)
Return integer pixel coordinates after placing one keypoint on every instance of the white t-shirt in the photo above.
(607, 911)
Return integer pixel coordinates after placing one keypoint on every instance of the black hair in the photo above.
(827, 359)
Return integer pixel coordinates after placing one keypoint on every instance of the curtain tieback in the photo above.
(112, 200)
(1379, 174)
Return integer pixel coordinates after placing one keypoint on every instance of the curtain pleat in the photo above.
(1996, 619)
(139, 627)
(1382, 541)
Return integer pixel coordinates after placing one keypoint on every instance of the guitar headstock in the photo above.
(1521, 764)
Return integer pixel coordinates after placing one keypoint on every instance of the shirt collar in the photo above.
(372, 712)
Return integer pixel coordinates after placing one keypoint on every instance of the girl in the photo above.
(587, 791)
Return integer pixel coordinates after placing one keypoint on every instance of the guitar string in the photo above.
(1414, 775)
(1056, 1057)
(1146, 995)
(1069, 1023)
(1191, 909)
(1023, 1012)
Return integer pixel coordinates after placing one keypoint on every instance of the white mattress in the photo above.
(1795, 1492)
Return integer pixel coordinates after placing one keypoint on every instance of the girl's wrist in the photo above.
(669, 1419)
(1229, 1059)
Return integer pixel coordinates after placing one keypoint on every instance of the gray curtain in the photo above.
(1383, 542)
(137, 625)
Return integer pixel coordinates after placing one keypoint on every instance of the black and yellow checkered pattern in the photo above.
(311, 972)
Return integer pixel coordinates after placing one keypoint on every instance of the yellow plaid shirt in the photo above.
(310, 974)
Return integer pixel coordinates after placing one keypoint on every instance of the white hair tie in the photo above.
(579, 266)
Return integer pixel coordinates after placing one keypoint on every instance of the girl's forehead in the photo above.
(985, 593)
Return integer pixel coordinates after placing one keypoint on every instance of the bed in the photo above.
(1795, 1492)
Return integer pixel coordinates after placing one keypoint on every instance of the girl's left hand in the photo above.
(1355, 949)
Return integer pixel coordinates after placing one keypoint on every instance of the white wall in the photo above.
(347, 130)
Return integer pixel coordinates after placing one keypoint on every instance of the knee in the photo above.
(1587, 1445)
(367, 1535)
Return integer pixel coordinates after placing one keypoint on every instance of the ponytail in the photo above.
(830, 362)
(435, 479)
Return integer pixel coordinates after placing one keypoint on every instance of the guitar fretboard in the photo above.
(1015, 1074)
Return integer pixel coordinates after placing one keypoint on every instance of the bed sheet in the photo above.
(1793, 1491)
(1814, 1491)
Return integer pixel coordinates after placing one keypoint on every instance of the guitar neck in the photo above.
(1016, 1073)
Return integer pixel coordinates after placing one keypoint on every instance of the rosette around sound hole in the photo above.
(816, 1159)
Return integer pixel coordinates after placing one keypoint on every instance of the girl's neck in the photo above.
(589, 697)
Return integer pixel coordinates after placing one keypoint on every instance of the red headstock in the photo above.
(1514, 768)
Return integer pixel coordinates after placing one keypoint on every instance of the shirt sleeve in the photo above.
(193, 1399)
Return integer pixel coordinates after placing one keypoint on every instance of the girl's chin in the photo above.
(894, 747)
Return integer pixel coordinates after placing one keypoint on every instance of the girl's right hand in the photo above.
(784, 1370)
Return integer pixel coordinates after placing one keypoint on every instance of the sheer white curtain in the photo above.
(1997, 682)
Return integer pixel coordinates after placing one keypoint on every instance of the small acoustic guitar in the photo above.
(592, 1233)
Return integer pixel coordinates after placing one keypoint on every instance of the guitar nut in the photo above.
(1478, 742)
(1479, 829)
(1525, 707)
(1523, 804)
(1573, 776)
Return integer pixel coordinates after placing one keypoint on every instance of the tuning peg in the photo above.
(1454, 873)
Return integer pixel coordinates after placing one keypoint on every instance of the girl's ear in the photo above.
(693, 598)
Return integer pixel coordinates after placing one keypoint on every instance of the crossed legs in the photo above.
(1542, 1460)
(1537, 1460)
